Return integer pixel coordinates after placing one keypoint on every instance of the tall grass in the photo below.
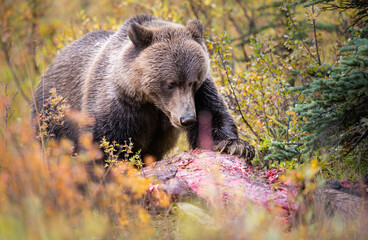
(50, 194)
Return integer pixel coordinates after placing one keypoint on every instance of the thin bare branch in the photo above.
(242, 36)
(315, 36)
(12, 70)
(191, 3)
(304, 44)
(235, 97)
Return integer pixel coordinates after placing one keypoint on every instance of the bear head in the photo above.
(171, 64)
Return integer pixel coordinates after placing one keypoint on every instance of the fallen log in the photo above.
(207, 174)
(345, 200)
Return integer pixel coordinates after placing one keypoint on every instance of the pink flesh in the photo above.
(230, 177)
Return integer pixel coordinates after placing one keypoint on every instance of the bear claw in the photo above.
(236, 147)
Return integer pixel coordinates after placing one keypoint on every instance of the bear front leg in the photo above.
(216, 128)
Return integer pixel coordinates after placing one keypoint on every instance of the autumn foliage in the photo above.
(282, 66)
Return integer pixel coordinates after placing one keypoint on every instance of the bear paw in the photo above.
(236, 147)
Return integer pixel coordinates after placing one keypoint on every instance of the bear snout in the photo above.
(188, 120)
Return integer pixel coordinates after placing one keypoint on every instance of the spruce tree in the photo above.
(335, 112)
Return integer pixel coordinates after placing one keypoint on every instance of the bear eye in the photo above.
(199, 76)
(194, 85)
(171, 85)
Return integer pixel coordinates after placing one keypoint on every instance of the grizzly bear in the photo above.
(145, 82)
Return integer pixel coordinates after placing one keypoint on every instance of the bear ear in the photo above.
(195, 27)
(140, 36)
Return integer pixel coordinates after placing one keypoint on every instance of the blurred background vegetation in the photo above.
(293, 72)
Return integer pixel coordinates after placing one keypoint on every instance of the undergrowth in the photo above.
(53, 194)
(49, 192)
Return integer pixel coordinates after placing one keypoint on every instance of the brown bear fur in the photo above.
(146, 81)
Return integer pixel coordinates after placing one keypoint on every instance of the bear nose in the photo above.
(188, 121)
